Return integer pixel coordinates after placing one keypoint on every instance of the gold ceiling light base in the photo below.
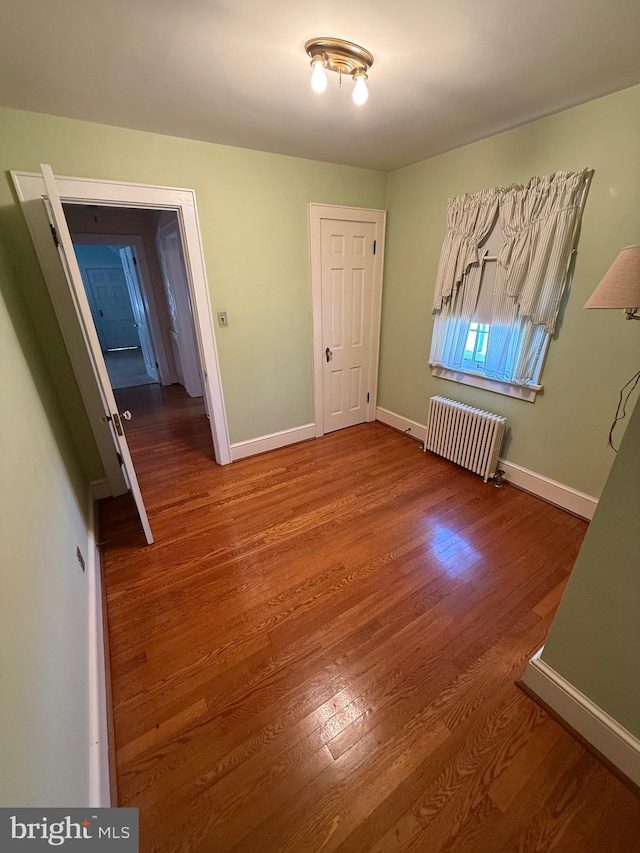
(342, 57)
(339, 55)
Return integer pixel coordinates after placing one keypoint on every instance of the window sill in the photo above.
(498, 386)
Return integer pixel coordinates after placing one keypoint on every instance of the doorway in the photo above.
(134, 275)
(42, 197)
(116, 302)
(158, 318)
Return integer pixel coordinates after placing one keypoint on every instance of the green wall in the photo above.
(253, 210)
(595, 638)
(563, 434)
(44, 691)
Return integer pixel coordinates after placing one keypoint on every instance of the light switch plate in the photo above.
(222, 319)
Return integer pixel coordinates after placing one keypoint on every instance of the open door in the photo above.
(172, 266)
(139, 312)
(81, 304)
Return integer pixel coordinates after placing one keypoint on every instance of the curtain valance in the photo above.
(539, 224)
(469, 220)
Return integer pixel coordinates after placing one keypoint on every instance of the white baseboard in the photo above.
(556, 493)
(550, 490)
(600, 730)
(99, 780)
(100, 489)
(412, 428)
(252, 446)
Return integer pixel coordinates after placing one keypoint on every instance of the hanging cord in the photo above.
(621, 411)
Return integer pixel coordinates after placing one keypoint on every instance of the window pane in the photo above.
(470, 345)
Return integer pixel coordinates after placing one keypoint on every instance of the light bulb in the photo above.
(360, 91)
(318, 76)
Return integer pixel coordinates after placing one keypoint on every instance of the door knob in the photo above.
(126, 415)
(328, 354)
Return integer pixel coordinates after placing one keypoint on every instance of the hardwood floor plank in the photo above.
(319, 651)
(150, 739)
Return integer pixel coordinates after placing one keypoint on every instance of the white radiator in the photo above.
(467, 436)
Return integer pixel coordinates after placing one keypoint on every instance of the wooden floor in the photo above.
(319, 652)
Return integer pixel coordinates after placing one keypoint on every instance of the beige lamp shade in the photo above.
(620, 287)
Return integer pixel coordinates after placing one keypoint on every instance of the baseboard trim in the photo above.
(412, 428)
(556, 493)
(100, 489)
(99, 771)
(549, 490)
(615, 743)
(253, 446)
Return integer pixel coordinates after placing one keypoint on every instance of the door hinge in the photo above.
(54, 234)
(115, 418)
(375, 243)
(120, 459)
(135, 263)
(157, 365)
(368, 396)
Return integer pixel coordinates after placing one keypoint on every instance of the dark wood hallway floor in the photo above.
(319, 652)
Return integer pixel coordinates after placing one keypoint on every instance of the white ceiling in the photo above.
(446, 72)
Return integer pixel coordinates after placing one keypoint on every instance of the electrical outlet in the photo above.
(80, 558)
(223, 319)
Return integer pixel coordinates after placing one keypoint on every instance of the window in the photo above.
(475, 349)
(503, 270)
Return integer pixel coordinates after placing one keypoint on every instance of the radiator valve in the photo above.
(498, 478)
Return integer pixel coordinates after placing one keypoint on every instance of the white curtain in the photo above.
(469, 221)
(539, 225)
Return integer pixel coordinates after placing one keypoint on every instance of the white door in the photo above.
(112, 314)
(347, 321)
(182, 331)
(139, 312)
(79, 298)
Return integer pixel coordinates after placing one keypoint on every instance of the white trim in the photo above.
(100, 489)
(563, 496)
(318, 212)
(498, 386)
(242, 449)
(599, 729)
(99, 779)
(30, 187)
(412, 428)
(549, 490)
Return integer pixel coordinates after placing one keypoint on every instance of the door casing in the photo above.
(318, 212)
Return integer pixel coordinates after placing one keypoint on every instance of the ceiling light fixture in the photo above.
(343, 57)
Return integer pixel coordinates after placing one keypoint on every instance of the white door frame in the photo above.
(318, 212)
(31, 189)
